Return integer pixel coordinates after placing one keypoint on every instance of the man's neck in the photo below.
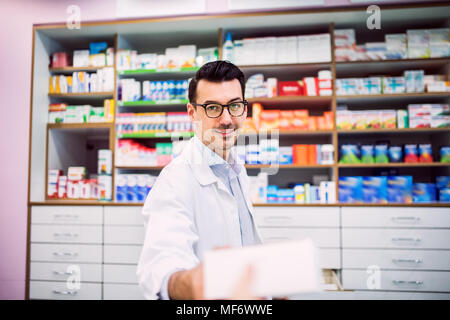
(223, 153)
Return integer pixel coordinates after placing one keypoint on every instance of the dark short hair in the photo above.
(216, 71)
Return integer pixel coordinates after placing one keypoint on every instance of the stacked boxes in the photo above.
(415, 44)
(133, 188)
(83, 82)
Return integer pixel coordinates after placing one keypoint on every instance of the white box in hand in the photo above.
(282, 268)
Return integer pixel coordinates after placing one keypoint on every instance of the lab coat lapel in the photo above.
(200, 168)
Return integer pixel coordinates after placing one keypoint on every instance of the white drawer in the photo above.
(59, 291)
(371, 295)
(67, 215)
(62, 271)
(322, 237)
(116, 273)
(124, 235)
(122, 292)
(396, 259)
(297, 217)
(124, 216)
(330, 258)
(66, 234)
(434, 281)
(382, 217)
(396, 238)
(66, 253)
(122, 253)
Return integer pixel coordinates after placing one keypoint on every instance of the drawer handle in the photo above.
(407, 239)
(62, 273)
(416, 261)
(66, 293)
(66, 216)
(67, 234)
(403, 282)
(417, 219)
(65, 254)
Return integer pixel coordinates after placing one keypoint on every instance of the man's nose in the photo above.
(225, 118)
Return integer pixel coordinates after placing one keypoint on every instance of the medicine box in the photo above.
(375, 189)
(399, 189)
(424, 192)
(351, 189)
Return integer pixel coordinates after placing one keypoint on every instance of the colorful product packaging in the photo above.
(291, 88)
(349, 154)
(388, 119)
(445, 154)
(392, 85)
(270, 119)
(399, 189)
(52, 183)
(411, 153)
(381, 153)
(351, 189)
(375, 190)
(104, 161)
(424, 192)
(425, 153)
(402, 119)
(105, 187)
(395, 154)
(272, 194)
(367, 153)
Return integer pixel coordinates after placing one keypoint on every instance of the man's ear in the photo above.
(191, 111)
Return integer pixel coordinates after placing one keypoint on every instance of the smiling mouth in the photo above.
(226, 133)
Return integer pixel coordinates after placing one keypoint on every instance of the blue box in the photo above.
(351, 189)
(400, 189)
(272, 194)
(443, 182)
(424, 192)
(286, 196)
(375, 189)
(444, 195)
(97, 47)
(395, 154)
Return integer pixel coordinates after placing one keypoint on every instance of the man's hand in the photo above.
(187, 284)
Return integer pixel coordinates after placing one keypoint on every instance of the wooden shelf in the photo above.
(82, 94)
(248, 166)
(289, 132)
(289, 166)
(392, 165)
(388, 67)
(151, 103)
(292, 99)
(396, 61)
(405, 130)
(395, 95)
(74, 202)
(88, 125)
(150, 135)
(137, 72)
(67, 70)
(140, 167)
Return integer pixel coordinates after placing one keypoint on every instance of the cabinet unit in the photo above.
(407, 242)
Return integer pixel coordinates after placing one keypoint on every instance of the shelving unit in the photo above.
(331, 220)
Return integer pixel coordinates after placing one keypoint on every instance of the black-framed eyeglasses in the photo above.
(215, 110)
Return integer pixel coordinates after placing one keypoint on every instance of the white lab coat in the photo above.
(187, 212)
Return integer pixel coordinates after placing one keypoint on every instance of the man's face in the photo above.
(220, 133)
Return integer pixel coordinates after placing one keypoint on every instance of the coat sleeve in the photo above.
(171, 233)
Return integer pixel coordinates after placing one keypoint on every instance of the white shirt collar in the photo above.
(211, 158)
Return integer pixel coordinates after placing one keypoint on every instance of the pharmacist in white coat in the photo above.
(200, 201)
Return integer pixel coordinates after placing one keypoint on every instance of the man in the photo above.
(200, 201)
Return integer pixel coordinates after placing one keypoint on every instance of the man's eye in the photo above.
(213, 108)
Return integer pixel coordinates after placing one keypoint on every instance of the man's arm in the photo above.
(187, 284)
